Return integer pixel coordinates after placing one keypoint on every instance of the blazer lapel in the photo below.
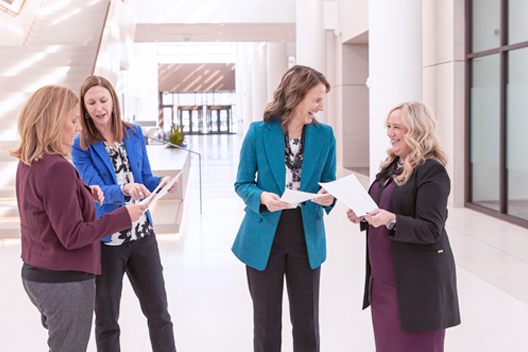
(132, 155)
(103, 154)
(313, 146)
(274, 146)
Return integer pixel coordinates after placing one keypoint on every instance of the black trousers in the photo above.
(289, 259)
(141, 261)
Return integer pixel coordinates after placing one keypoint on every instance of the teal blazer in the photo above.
(262, 168)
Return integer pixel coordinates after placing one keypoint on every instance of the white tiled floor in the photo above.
(209, 299)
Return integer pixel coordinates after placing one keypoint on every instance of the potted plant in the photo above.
(176, 135)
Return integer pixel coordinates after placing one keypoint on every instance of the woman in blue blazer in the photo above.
(112, 154)
(289, 149)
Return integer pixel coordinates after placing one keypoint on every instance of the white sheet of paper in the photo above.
(350, 191)
(296, 197)
(154, 197)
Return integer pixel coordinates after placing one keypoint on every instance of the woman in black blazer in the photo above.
(410, 280)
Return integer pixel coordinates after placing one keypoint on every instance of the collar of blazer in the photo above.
(100, 149)
(274, 145)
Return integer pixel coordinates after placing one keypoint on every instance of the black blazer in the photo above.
(423, 261)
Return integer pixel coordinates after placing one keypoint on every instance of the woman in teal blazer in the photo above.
(289, 149)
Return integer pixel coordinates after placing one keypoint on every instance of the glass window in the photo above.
(517, 125)
(518, 25)
(486, 24)
(485, 131)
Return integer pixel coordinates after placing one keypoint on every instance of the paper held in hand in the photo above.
(155, 195)
(349, 191)
(296, 197)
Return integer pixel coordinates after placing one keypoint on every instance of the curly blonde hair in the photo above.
(421, 137)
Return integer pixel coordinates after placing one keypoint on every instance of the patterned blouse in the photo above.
(293, 177)
(142, 227)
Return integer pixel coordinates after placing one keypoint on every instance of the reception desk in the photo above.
(164, 161)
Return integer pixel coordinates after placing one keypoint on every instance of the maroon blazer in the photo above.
(59, 227)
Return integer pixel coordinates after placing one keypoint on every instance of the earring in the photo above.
(86, 115)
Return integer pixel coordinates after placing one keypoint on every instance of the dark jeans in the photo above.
(288, 258)
(66, 310)
(141, 261)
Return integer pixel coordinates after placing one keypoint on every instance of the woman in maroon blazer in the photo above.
(411, 280)
(59, 231)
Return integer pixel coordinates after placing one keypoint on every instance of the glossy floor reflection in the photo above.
(210, 303)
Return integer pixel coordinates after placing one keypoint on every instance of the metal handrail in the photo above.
(190, 151)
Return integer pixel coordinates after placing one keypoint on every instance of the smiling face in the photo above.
(71, 126)
(312, 103)
(99, 105)
(396, 132)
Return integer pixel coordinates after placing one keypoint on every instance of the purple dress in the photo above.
(388, 334)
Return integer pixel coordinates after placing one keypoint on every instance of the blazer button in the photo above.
(303, 203)
(139, 164)
(104, 175)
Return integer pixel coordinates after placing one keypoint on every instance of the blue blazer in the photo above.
(96, 168)
(262, 168)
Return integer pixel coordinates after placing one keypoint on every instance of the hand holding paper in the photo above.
(349, 191)
(296, 197)
(155, 195)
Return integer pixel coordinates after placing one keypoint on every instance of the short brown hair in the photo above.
(292, 89)
(41, 123)
(90, 134)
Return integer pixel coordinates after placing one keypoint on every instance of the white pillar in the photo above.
(311, 37)
(395, 65)
(259, 81)
(247, 87)
(277, 65)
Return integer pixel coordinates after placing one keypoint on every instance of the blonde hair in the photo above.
(292, 89)
(90, 134)
(41, 121)
(421, 137)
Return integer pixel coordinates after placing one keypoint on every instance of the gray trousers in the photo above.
(66, 310)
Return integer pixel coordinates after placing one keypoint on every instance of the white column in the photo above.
(277, 65)
(246, 92)
(259, 81)
(395, 65)
(311, 38)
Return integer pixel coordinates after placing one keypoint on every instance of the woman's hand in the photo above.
(273, 202)
(97, 194)
(353, 217)
(379, 217)
(136, 210)
(325, 201)
(137, 191)
(166, 180)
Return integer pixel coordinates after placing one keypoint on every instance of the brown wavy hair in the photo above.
(90, 134)
(41, 123)
(292, 89)
(422, 138)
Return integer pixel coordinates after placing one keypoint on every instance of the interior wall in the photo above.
(355, 126)
(443, 83)
(196, 77)
(142, 83)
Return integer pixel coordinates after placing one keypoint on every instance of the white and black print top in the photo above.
(142, 227)
(293, 176)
